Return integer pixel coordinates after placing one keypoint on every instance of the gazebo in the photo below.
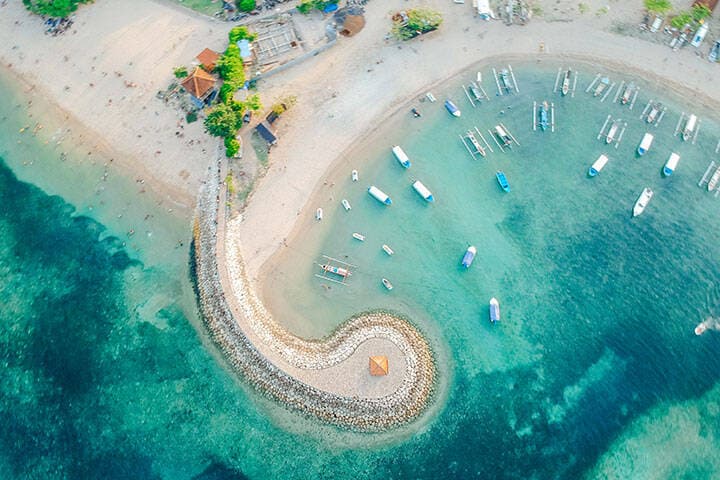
(379, 366)
(199, 83)
(352, 25)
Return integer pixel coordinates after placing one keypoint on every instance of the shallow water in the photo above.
(108, 373)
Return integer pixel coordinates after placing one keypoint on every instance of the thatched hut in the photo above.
(379, 366)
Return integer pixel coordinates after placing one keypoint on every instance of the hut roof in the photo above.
(352, 25)
(266, 133)
(711, 4)
(379, 365)
(199, 83)
(208, 58)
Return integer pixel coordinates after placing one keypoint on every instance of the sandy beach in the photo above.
(105, 72)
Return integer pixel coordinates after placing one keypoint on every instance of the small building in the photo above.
(263, 129)
(208, 59)
(200, 84)
(379, 366)
(711, 4)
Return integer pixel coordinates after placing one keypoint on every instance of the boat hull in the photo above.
(494, 310)
(502, 180)
(452, 108)
(469, 256)
(379, 195)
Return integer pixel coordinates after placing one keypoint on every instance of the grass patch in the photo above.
(602, 11)
(583, 7)
(232, 190)
(260, 147)
(537, 11)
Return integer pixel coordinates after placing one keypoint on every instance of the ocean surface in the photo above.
(594, 372)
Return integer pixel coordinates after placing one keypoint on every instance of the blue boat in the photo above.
(469, 256)
(494, 310)
(543, 116)
(379, 195)
(502, 180)
(645, 144)
(452, 108)
(598, 165)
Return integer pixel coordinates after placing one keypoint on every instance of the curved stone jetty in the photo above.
(291, 369)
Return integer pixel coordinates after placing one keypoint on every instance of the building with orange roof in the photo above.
(199, 83)
(208, 59)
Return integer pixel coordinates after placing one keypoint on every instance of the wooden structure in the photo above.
(379, 366)
(208, 59)
(199, 83)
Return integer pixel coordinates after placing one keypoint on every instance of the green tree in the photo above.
(230, 67)
(223, 121)
(680, 20)
(253, 103)
(180, 72)
(306, 6)
(53, 8)
(660, 7)
(226, 92)
(246, 5)
(240, 33)
(232, 146)
(700, 12)
(419, 21)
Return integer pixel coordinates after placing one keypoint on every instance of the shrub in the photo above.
(53, 8)
(230, 67)
(226, 92)
(246, 5)
(658, 6)
(306, 6)
(191, 117)
(253, 103)
(240, 33)
(700, 12)
(232, 146)
(583, 7)
(224, 120)
(680, 20)
(180, 72)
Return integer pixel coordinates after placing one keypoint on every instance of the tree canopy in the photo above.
(419, 21)
(240, 33)
(224, 120)
(53, 8)
(658, 6)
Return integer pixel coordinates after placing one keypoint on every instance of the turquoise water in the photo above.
(108, 373)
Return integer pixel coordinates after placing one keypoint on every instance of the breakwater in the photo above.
(216, 252)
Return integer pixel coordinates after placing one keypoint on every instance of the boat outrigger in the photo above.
(423, 191)
(452, 108)
(502, 180)
(598, 165)
(642, 201)
(601, 86)
(470, 136)
(494, 310)
(379, 195)
(469, 256)
(645, 144)
(714, 180)
(401, 156)
(671, 164)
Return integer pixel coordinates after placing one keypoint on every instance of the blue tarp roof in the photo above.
(330, 8)
(244, 46)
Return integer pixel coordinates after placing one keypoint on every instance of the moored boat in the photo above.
(475, 90)
(642, 201)
(645, 144)
(611, 133)
(318, 214)
(388, 250)
(354, 175)
(654, 111)
(598, 165)
(604, 82)
(503, 136)
(379, 195)
(671, 164)
(505, 80)
(346, 204)
(423, 191)
(386, 283)
(543, 116)
(701, 328)
(416, 113)
(452, 108)
(629, 89)
(566, 82)
(476, 145)
(401, 156)
(689, 127)
(358, 236)
(494, 310)
(469, 256)
(714, 180)
(340, 271)
(502, 180)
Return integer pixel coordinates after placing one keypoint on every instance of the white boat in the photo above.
(714, 180)
(401, 156)
(654, 111)
(423, 191)
(358, 236)
(354, 175)
(642, 201)
(671, 164)
(386, 283)
(494, 310)
(689, 127)
(469, 256)
(645, 144)
(318, 214)
(430, 96)
(700, 329)
(699, 35)
(611, 133)
(476, 145)
(346, 205)
(379, 195)
(598, 165)
(479, 77)
(388, 250)
(566, 82)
